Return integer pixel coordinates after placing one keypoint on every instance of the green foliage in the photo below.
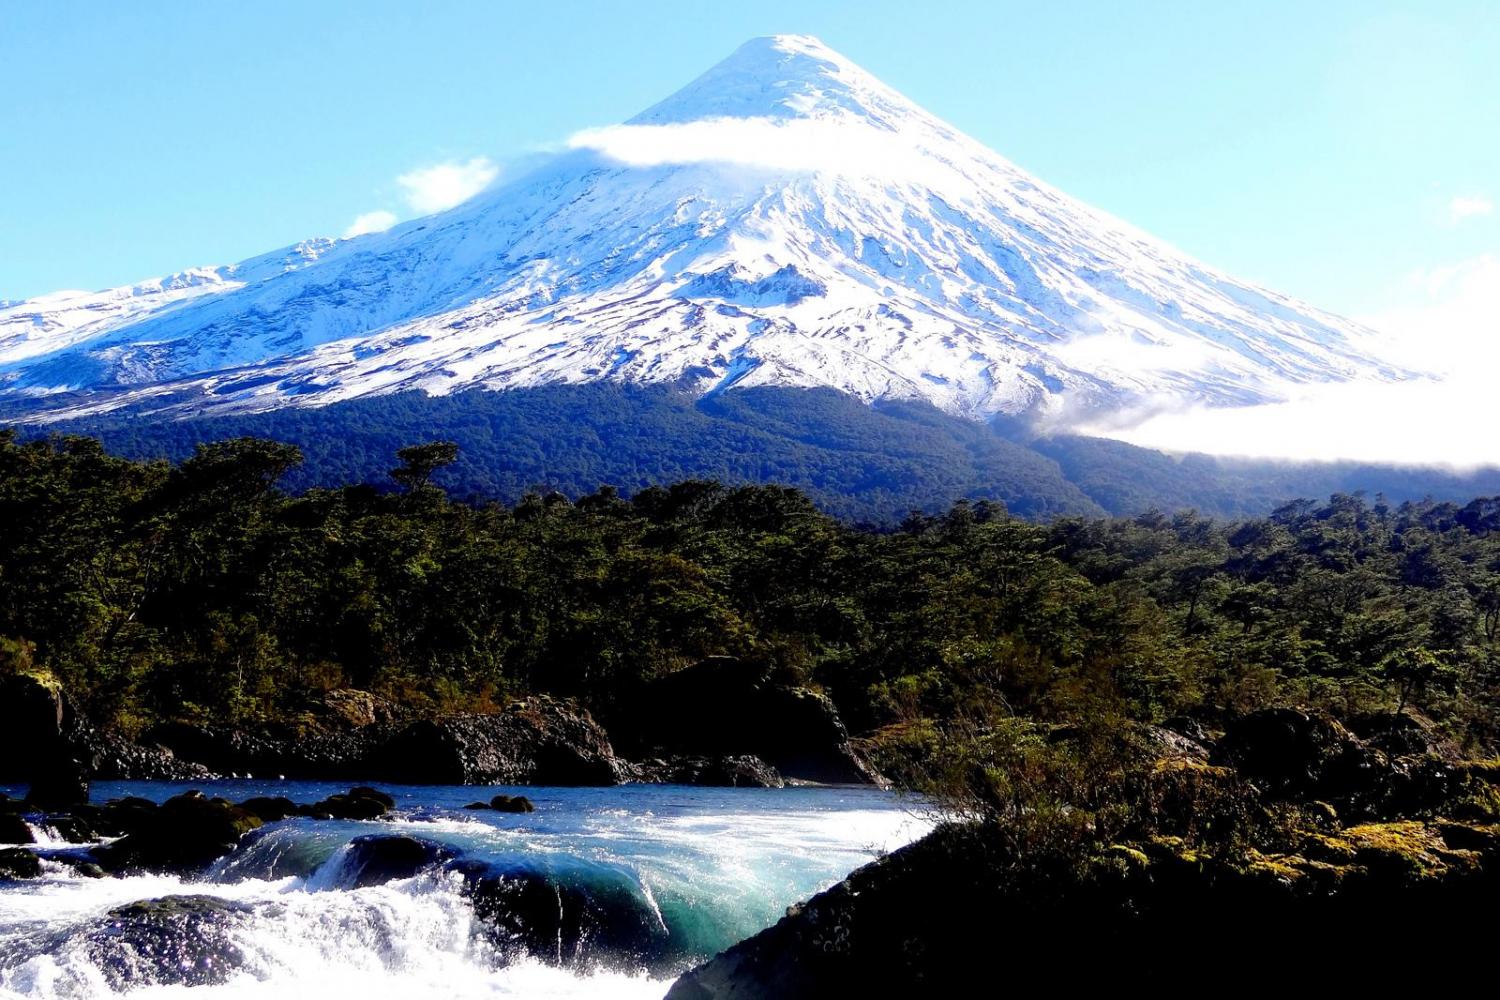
(204, 589)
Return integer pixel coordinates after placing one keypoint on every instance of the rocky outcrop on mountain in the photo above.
(846, 239)
(726, 707)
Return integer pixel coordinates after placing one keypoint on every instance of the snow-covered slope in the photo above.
(785, 219)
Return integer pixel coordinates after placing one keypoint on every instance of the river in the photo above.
(670, 875)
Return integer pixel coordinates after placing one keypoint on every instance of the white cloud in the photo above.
(370, 222)
(432, 189)
(801, 144)
(1123, 353)
(1447, 322)
(1468, 206)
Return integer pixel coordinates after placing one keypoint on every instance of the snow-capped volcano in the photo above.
(784, 219)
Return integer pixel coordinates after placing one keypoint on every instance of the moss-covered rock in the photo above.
(185, 834)
(19, 863)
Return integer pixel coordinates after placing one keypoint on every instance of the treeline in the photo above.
(203, 591)
(856, 461)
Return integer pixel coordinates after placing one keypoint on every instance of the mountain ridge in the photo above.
(784, 220)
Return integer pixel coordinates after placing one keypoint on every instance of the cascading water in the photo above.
(600, 892)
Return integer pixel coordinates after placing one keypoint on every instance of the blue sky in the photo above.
(1343, 152)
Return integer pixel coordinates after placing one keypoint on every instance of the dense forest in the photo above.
(859, 462)
(203, 590)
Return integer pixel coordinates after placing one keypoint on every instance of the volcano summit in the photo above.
(784, 220)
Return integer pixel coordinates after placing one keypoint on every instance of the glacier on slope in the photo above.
(785, 219)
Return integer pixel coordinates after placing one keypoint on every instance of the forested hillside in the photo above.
(855, 461)
(203, 590)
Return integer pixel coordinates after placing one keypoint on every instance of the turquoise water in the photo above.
(698, 868)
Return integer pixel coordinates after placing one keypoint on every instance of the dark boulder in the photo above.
(1404, 735)
(512, 804)
(1288, 753)
(33, 719)
(357, 803)
(270, 808)
(375, 794)
(32, 714)
(376, 860)
(350, 708)
(724, 707)
(539, 741)
(72, 828)
(930, 919)
(185, 834)
(14, 829)
(119, 817)
(476, 806)
(175, 940)
(57, 782)
(19, 863)
(579, 916)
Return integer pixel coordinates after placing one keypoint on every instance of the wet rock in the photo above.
(357, 803)
(57, 782)
(376, 860)
(366, 792)
(476, 806)
(512, 804)
(19, 863)
(14, 829)
(71, 828)
(175, 940)
(119, 817)
(81, 867)
(575, 917)
(270, 808)
(185, 834)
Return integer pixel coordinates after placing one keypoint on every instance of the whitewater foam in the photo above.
(707, 867)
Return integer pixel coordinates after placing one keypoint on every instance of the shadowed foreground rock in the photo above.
(933, 918)
(1304, 853)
